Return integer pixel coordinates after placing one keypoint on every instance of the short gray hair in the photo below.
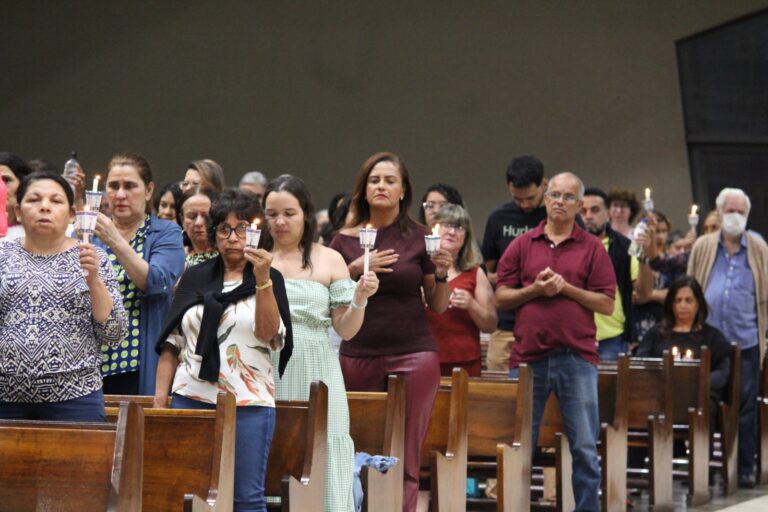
(568, 175)
(727, 191)
(253, 177)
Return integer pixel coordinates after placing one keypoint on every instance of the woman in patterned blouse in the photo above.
(148, 257)
(59, 301)
(228, 314)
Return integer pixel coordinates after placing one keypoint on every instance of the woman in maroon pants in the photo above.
(395, 336)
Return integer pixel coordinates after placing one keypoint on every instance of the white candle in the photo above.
(253, 234)
(688, 355)
(694, 209)
(693, 217)
(674, 353)
(433, 241)
(96, 183)
(647, 193)
(367, 240)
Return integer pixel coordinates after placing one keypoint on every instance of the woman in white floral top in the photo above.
(227, 315)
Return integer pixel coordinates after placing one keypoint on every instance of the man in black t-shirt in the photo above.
(526, 183)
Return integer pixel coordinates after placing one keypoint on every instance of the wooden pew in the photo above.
(72, 467)
(728, 422)
(664, 394)
(613, 388)
(189, 456)
(762, 434)
(377, 427)
(445, 449)
(297, 459)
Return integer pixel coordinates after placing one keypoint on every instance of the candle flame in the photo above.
(436, 230)
(647, 193)
(674, 351)
(694, 209)
(86, 207)
(688, 354)
(255, 223)
(368, 226)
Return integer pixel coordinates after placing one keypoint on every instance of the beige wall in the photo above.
(313, 88)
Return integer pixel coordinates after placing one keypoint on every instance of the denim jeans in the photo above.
(574, 382)
(253, 437)
(610, 348)
(86, 408)
(750, 380)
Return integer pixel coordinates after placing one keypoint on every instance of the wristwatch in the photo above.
(441, 279)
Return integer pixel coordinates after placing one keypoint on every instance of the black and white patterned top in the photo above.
(49, 342)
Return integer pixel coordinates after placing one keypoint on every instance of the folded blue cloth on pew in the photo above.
(378, 462)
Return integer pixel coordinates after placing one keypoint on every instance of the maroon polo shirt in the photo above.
(549, 323)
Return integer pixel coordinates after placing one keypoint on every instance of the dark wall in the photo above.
(313, 88)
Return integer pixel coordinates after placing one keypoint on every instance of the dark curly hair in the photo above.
(245, 207)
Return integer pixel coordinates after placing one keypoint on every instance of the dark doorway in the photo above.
(724, 85)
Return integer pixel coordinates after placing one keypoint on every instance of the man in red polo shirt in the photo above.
(556, 277)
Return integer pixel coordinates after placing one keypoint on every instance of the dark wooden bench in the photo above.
(189, 456)
(72, 467)
(664, 394)
(377, 426)
(762, 434)
(728, 423)
(297, 458)
(444, 452)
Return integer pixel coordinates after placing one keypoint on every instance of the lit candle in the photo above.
(433, 241)
(693, 217)
(688, 355)
(367, 237)
(674, 352)
(253, 234)
(648, 201)
(96, 183)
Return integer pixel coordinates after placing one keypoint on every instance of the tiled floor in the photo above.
(745, 500)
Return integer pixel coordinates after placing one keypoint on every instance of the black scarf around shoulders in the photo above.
(202, 284)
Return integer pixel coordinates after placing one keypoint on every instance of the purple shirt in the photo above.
(395, 321)
(731, 296)
(545, 324)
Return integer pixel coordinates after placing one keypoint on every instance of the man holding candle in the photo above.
(556, 277)
(732, 266)
(614, 331)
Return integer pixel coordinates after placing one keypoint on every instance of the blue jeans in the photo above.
(610, 348)
(253, 437)
(750, 380)
(86, 408)
(574, 382)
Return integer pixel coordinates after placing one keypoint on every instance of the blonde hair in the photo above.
(469, 255)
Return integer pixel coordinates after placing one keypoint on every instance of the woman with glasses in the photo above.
(437, 196)
(471, 307)
(321, 295)
(227, 315)
(204, 173)
(148, 257)
(395, 336)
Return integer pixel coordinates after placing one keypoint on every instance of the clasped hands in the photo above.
(549, 283)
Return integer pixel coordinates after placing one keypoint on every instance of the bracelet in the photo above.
(265, 285)
(441, 279)
(355, 306)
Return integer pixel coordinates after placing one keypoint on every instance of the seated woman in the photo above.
(683, 325)
(59, 302)
(472, 305)
(194, 207)
(227, 315)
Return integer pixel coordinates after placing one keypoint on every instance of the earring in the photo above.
(402, 197)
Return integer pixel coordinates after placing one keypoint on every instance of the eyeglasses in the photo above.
(431, 205)
(225, 230)
(459, 230)
(566, 198)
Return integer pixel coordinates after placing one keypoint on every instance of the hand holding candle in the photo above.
(433, 241)
(253, 234)
(367, 240)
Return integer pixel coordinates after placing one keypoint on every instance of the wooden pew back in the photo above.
(67, 466)
(298, 455)
(187, 452)
(377, 427)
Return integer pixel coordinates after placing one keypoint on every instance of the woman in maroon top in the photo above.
(395, 336)
(471, 307)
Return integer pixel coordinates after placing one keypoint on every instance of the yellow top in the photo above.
(610, 326)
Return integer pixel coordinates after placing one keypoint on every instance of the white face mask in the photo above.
(734, 223)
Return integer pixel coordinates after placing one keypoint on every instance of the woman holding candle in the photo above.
(683, 325)
(194, 206)
(54, 317)
(227, 315)
(148, 257)
(395, 336)
(321, 294)
(472, 306)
